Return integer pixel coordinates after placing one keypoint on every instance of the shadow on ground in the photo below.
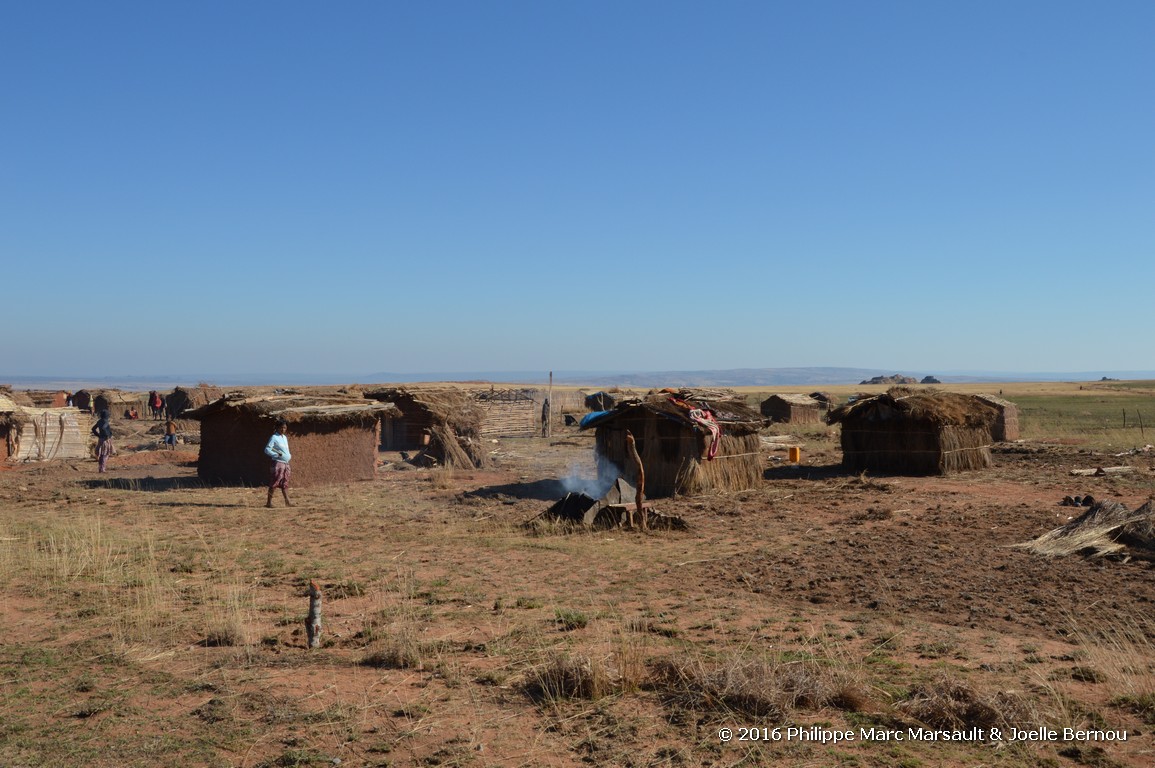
(805, 472)
(539, 490)
(145, 483)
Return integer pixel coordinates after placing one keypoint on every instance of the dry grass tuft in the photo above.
(562, 677)
(765, 689)
(399, 651)
(952, 704)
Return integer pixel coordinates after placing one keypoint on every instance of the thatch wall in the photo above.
(674, 450)
(919, 433)
(509, 413)
(793, 409)
(331, 442)
(41, 434)
(1005, 428)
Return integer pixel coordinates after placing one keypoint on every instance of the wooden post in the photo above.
(1140, 415)
(549, 422)
(640, 485)
(313, 621)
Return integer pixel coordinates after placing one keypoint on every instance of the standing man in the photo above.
(279, 474)
(545, 418)
(102, 429)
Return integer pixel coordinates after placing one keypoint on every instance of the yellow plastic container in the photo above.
(795, 454)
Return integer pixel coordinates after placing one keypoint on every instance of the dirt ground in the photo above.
(445, 620)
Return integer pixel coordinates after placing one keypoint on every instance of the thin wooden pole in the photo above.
(549, 399)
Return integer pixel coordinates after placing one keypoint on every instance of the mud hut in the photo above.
(28, 433)
(117, 403)
(690, 441)
(509, 412)
(44, 398)
(600, 401)
(1005, 428)
(184, 399)
(443, 423)
(82, 399)
(916, 432)
(793, 409)
(333, 440)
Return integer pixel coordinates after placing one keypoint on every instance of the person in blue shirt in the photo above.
(277, 449)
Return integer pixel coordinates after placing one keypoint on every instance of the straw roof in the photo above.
(296, 408)
(942, 409)
(730, 409)
(1106, 529)
(18, 398)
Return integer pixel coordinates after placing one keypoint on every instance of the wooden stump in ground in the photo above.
(313, 620)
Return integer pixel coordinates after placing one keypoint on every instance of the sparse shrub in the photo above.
(949, 704)
(224, 636)
(764, 689)
(570, 619)
(568, 677)
(395, 652)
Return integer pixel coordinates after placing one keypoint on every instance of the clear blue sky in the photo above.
(460, 186)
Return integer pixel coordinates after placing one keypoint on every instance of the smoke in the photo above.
(581, 480)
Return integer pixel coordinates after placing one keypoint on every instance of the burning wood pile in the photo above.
(613, 510)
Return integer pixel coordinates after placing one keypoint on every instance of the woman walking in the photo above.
(277, 449)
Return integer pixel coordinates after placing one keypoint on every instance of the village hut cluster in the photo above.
(689, 441)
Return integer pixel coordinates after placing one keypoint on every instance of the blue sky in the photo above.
(247, 188)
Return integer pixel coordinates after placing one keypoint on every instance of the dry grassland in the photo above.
(150, 620)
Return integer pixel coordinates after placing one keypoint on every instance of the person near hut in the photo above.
(277, 449)
(102, 429)
(545, 418)
(155, 404)
(170, 434)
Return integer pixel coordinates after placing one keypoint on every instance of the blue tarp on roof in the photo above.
(591, 419)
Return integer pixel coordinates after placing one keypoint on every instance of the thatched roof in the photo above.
(296, 408)
(1106, 529)
(805, 401)
(729, 409)
(452, 417)
(17, 397)
(941, 409)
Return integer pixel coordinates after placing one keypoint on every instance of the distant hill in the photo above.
(735, 377)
